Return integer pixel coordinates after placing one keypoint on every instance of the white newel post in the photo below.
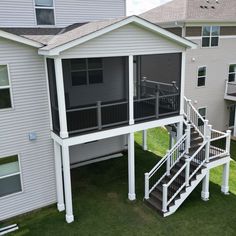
(59, 181)
(146, 186)
(131, 90)
(145, 140)
(67, 184)
(61, 98)
(205, 187)
(131, 167)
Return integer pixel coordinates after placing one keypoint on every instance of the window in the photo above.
(232, 73)
(10, 175)
(5, 88)
(210, 36)
(202, 112)
(44, 11)
(201, 80)
(232, 110)
(86, 71)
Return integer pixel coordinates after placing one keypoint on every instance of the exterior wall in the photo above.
(211, 96)
(113, 87)
(15, 14)
(129, 39)
(88, 151)
(30, 113)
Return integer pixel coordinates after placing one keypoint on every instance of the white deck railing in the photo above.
(230, 88)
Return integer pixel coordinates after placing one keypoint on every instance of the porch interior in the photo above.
(97, 91)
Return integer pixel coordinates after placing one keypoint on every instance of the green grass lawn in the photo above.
(101, 206)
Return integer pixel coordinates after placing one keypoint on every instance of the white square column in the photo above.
(131, 167)
(61, 98)
(59, 181)
(180, 129)
(225, 179)
(131, 90)
(205, 194)
(145, 148)
(67, 184)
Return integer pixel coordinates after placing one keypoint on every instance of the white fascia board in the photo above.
(115, 132)
(20, 39)
(217, 23)
(133, 19)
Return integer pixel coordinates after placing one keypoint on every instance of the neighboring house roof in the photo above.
(193, 11)
(60, 39)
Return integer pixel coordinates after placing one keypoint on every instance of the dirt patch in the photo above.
(112, 195)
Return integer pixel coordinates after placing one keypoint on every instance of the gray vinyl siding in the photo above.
(15, 13)
(30, 114)
(217, 61)
(113, 87)
(86, 151)
(129, 39)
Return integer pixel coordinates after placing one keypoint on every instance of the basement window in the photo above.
(210, 36)
(86, 71)
(10, 175)
(5, 88)
(232, 73)
(44, 10)
(201, 80)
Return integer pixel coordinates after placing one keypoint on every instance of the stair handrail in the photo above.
(186, 166)
(166, 159)
(188, 107)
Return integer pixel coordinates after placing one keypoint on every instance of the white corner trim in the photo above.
(20, 39)
(133, 19)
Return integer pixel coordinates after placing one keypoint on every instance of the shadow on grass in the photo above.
(101, 206)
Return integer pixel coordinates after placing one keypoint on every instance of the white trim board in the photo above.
(20, 39)
(133, 19)
(115, 132)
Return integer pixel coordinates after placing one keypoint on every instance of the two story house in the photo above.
(74, 87)
(210, 70)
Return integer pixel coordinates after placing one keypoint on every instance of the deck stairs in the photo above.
(179, 172)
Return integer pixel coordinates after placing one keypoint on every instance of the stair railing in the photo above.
(199, 158)
(195, 118)
(168, 161)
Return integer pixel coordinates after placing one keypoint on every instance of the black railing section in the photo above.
(97, 117)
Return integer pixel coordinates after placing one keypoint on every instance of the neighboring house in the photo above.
(73, 93)
(211, 69)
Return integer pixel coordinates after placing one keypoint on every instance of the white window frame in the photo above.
(201, 76)
(8, 87)
(10, 175)
(230, 73)
(210, 36)
(45, 7)
(87, 73)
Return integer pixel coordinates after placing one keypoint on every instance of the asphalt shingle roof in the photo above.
(193, 10)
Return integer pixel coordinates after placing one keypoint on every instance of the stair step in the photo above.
(196, 140)
(157, 206)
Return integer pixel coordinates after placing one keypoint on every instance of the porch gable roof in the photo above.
(86, 32)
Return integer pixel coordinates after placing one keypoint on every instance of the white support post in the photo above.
(59, 181)
(67, 184)
(164, 197)
(146, 186)
(145, 148)
(188, 110)
(207, 149)
(61, 98)
(234, 132)
(183, 75)
(180, 127)
(228, 141)
(131, 90)
(225, 180)
(131, 167)
(205, 187)
(188, 139)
